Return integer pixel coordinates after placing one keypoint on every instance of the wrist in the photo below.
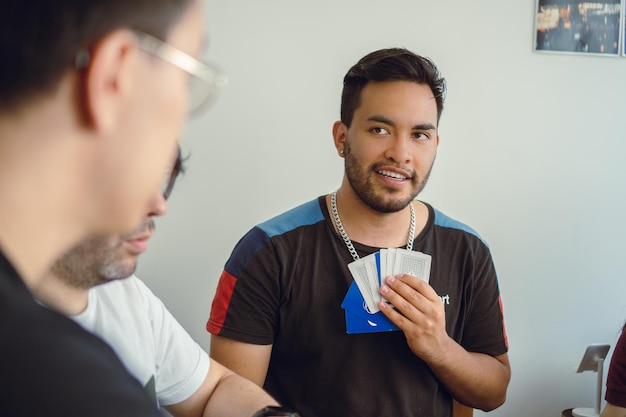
(275, 411)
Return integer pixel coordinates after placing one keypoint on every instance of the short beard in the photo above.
(95, 261)
(81, 267)
(362, 185)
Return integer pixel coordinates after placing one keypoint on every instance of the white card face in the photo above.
(372, 275)
(412, 263)
(391, 257)
(367, 284)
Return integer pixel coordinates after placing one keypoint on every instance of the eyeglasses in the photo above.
(177, 169)
(206, 82)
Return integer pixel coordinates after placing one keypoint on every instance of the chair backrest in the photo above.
(460, 410)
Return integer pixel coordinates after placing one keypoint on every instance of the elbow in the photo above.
(497, 393)
(493, 402)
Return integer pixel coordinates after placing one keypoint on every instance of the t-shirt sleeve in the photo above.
(485, 331)
(248, 294)
(182, 365)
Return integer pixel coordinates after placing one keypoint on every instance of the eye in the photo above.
(421, 136)
(379, 131)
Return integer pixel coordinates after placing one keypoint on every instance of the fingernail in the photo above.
(391, 279)
(384, 289)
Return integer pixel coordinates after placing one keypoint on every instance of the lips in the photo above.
(138, 243)
(144, 235)
(392, 174)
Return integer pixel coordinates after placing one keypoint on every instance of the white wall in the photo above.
(532, 154)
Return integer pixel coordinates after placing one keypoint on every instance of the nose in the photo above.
(398, 149)
(158, 205)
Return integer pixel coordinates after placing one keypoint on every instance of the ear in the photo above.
(340, 131)
(108, 80)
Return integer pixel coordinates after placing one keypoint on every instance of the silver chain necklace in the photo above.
(344, 235)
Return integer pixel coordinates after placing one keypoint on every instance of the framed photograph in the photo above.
(579, 27)
(624, 29)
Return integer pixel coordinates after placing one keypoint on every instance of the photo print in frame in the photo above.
(579, 27)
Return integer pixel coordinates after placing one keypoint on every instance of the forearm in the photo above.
(236, 396)
(611, 410)
(474, 379)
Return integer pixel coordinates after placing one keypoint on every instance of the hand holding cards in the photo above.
(369, 272)
(361, 301)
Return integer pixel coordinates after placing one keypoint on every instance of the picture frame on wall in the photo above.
(579, 27)
(623, 28)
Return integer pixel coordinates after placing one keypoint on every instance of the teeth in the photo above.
(392, 175)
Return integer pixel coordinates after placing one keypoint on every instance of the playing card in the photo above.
(365, 275)
(382, 265)
(377, 323)
(373, 276)
(358, 317)
(391, 258)
(412, 263)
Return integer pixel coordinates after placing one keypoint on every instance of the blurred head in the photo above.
(393, 64)
(96, 261)
(41, 39)
(121, 72)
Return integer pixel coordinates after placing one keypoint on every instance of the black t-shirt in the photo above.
(50, 366)
(284, 284)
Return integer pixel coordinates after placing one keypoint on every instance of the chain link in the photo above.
(344, 235)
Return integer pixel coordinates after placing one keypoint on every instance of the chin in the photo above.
(113, 272)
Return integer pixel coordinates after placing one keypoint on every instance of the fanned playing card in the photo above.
(359, 319)
(412, 263)
(391, 259)
(366, 277)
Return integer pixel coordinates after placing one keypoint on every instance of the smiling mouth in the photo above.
(390, 174)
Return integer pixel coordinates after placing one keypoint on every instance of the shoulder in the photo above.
(77, 355)
(120, 299)
(620, 347)
(70, 351)
(277, 229)
(129, 288)
(302, 215)
(443, 221)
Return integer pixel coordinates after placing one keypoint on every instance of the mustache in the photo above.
(147, 225)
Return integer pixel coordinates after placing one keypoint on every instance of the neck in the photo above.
(57, 295)
(373, 228)
(41, 213)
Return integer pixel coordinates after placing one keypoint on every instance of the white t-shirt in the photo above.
(150, 342)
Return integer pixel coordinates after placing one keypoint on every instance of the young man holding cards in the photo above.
(366, 301)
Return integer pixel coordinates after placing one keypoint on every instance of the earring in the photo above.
(341, 152)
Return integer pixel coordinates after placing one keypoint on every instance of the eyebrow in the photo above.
(383, 119)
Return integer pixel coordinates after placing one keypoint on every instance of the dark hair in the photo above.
(39, 39)
(393, 64)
